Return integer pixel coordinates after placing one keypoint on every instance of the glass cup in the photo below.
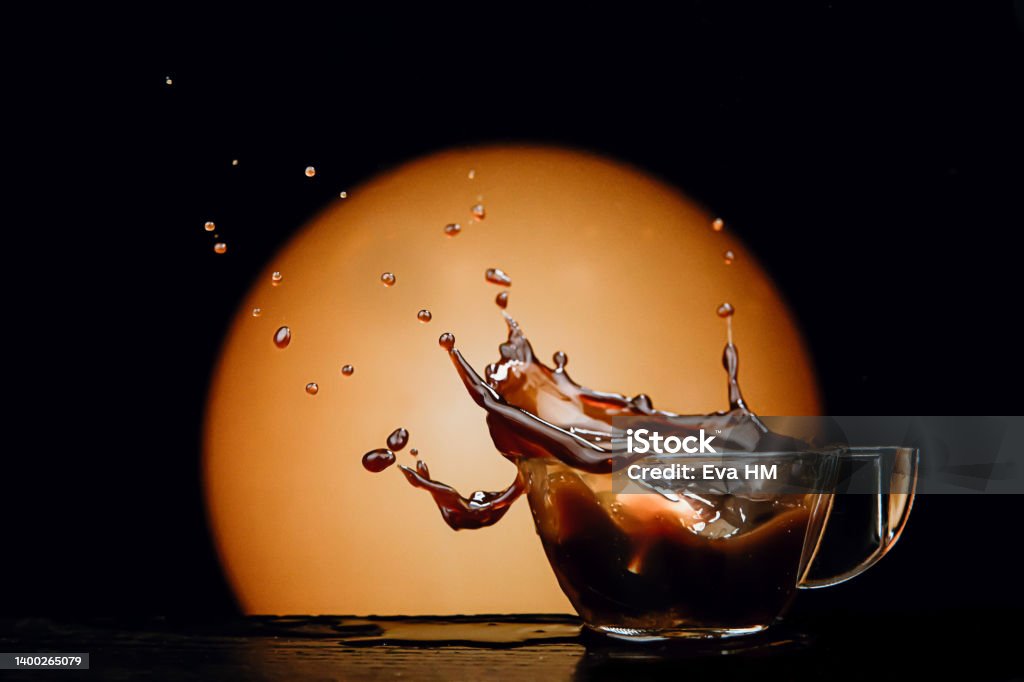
(717, 560)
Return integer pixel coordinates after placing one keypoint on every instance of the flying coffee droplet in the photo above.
(717, 224)
(502, 300)
(398, 439)
(452, 229)
(282, 337)
(561, 360)
(478, 211)
(275, 278)
(312, 388)
(343, 195)
(378, 460)
(725, 310)
(424, 316)
(220, 247)
(310, 171)
(210, 226)
(728, 257)
(414, 452)
(348, 370)
(446, 341)
(388, 279)
(496, 276)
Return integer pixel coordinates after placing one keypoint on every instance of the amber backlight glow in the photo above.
(620, 271)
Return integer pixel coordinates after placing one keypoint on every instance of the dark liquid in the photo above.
(637, 566)
(478, 510)
(496, 276)
(378, 460)
(282, 337)
(628, 561)
(398, 439)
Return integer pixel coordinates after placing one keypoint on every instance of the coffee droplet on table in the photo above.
(256, 312)
(446, 341)
(210, 226)
(452, 229)
(348, 370)
(478, 211)
(220, 247)
(378, 460)
(725, 310)
(275, 278)
(398, 439)
(502, 300)
(312, 388)
(717, 224)
(728, 257)
(424, 316)
(282, 337)
(388, 279)
(496, 276)
(310, 171)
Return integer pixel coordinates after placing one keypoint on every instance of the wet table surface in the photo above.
(542, 647)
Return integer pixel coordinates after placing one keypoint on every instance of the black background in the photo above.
(871, 155)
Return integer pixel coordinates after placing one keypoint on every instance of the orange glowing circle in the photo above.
(618, 270)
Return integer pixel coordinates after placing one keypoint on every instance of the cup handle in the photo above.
(889, 513)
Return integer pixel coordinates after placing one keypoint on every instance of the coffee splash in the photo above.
(537, 412)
